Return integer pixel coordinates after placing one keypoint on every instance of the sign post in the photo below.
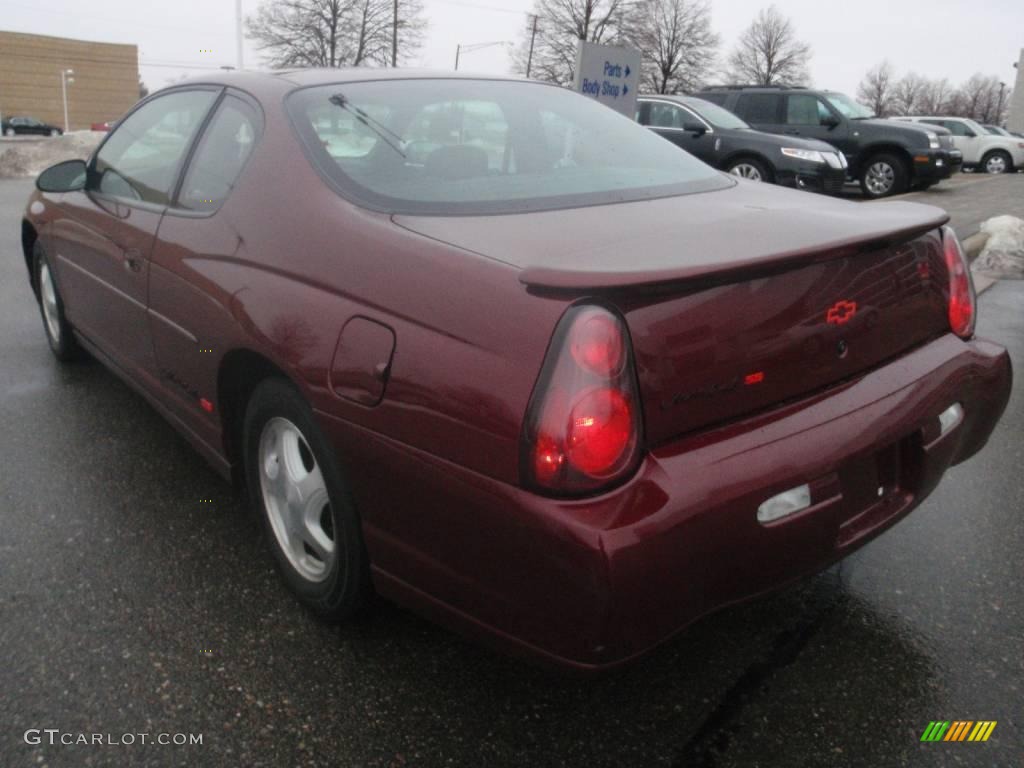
(609, 74)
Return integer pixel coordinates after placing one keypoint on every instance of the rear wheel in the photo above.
(295, 482)
(884, 174)
(54, 132)
(58, 330)
(750, 169)
(997, 161)
(9, 132)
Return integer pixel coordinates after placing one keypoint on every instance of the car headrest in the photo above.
(460, 161)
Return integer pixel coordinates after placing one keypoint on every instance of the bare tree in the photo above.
(906, 94)
(934, 97)
(675, 41)
(335, 33)
(143, 90)
(876, 90)
(561, 24)
(769, 53)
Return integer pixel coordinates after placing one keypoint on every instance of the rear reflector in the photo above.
(950, 417)
(785, 503)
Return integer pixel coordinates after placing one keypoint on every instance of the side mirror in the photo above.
(694, 127)
(68, 176)
(830, 121)
(970, 134)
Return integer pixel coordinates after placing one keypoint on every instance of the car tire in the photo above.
(9, 132)
(750, 168)
(299, 491)
(51, 306)
(997, 161)
(54, 132)
(884, 175)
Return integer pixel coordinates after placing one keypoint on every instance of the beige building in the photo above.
(106, 78)
(1015, 122)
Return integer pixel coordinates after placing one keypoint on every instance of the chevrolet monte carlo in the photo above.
(497, 353)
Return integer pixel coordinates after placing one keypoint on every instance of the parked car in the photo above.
(981, 150)
(105, 126)
(555, 383)
(884, 157)
(28, 126)
(722, 140)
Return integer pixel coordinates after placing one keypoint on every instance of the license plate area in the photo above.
(877, 486)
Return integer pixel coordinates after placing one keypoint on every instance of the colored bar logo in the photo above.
(958, 730)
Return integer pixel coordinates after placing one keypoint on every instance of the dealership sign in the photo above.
(609, 74)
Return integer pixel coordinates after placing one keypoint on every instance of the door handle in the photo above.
(133, 260)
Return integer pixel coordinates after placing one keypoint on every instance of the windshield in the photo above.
(848, 107)
(461, 146)
(995, 130)
(716, 115)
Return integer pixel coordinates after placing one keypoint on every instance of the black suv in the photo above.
(883, 155)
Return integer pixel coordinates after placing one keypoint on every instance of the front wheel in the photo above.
(883, 175)
(9, 132)
(54, 132)
(58, 330)
(297, 486)
(750, 169)
(997, 161)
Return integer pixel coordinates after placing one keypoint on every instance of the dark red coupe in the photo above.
(500, 354)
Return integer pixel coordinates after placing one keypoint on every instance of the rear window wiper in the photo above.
(339, 99)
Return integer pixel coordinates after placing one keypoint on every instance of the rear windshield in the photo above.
(460, 146)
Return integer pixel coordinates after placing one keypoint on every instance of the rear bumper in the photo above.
(590, 583)
(935, 164)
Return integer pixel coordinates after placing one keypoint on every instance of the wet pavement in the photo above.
(137, 596)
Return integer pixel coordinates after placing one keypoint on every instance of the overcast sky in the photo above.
(936, 38)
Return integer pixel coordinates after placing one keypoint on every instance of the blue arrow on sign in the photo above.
(625, 89)
(627, 70)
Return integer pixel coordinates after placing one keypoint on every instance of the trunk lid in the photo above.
(735, 300)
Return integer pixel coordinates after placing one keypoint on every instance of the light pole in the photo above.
(65, 80)
(999, 109)
(460, 49)
(238, 33)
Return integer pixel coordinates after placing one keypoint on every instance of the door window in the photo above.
(665, 116)
(220, 156)
(804, 109)
(759, 107)
(140, 160)
(958, 128)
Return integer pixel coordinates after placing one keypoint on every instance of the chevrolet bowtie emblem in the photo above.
(841, 312)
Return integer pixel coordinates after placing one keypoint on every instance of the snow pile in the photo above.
(1003, 255)
(28, 157)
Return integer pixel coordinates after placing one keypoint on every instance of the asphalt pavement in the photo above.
(137, 596)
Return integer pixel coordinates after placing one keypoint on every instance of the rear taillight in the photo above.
(962, 307)
(582, 430)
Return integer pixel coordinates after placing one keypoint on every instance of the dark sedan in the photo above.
(722, 140)
(495, 352)
(28, 126)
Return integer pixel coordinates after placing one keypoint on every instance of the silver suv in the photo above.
(983, 150)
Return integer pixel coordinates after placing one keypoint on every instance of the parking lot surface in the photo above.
(136, 595)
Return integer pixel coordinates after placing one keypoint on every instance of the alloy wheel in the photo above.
(49, 299)
(995, 164)
(746, 171)
(296, 500)
(880, 178)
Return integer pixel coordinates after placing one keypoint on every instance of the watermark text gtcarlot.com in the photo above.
(55, 736)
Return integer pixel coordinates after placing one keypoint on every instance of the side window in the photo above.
(141, 158)
(220, 156)
(958, 128)
(759, 107)
(665, 116)
(802, 109)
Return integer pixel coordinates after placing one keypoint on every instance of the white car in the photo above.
(982, 150)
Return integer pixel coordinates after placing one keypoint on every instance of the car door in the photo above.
(102, 243)
(670, 121)
(34, 127)
(966, 140)
(188, 320)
